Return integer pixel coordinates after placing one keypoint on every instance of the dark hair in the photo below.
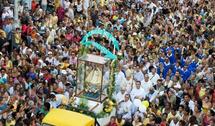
(165, 114)
(182, 122)
(158, 120)
(139, 119)
(212, 112)
(192, 120)
(47, 106)
(112, 117)
(127, 123)
(27, 122)
(19, 122)
(51, 96)
(186, 94)
(182, 106)
(187, 110)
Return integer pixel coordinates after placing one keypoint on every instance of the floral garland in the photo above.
(111, 87)
(83, 104)
(83, 108)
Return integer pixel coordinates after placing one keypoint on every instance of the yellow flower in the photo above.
(110, 103)
(108, 110)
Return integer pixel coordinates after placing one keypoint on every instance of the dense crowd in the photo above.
(166, 49)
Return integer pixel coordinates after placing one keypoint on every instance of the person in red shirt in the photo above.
(112, 121)
(60, 13)
(33, 5)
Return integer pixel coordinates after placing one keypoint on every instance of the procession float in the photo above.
(95, 76)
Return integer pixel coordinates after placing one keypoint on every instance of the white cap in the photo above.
(69, 70)
(134, 33)
(64, 72)
(40, 61)
(49, 53)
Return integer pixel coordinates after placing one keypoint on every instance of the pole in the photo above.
(29, 4)
(16, 10)
(12, 41)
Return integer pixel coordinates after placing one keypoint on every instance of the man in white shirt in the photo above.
(86, 4)
(174, 122)
(179, 113)
(119, 77)
(53, 102)
(129, 81)
(4, 14)
(120, 95)
(149, 16)
(138, 74)
(70, 12)
(138, 92)
(125, 107)
(146, 84)
(153, 76)
(187, 101)
(52, 60)
(57, 100)
(79, 6)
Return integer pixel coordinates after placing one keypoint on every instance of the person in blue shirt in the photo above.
(162, 57)
(160, 69)
(31, 74)
(185, 73)
(163, 50)
(182, 61)
(175, 68)
(8, 28)
(166, 66)
(170, 48)
(171, 56)
(199, 54)
(178, 50)
(169, 73)
(192, 66)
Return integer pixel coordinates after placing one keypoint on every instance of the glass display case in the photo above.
(93, 77)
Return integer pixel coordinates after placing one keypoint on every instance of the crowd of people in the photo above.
(166, 58)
